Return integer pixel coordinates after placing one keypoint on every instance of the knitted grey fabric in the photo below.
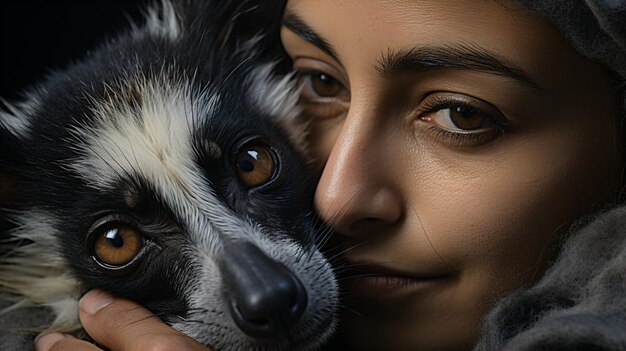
(611, 15)
(580, 303)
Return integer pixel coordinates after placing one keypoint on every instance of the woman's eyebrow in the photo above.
(294, 23)
(422, 58)
(459, 56)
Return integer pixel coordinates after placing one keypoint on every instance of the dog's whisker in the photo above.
(164, 167)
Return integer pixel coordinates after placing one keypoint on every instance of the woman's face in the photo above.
(460, 138)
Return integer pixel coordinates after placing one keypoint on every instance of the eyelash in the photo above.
(321, 107)
(312, 73)
(499, 125)
(435, 104)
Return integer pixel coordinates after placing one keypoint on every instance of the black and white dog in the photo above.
(167, 167)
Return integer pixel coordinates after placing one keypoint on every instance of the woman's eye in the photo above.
(317, 85)
(463, 121)
(255, 165)
(322, 96)
(117, 246)
(460, 118)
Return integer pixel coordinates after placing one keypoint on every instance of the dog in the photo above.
(169, 167)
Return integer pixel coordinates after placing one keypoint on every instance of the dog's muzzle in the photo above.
(265, 298)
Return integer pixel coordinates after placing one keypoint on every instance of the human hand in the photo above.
(119, 325)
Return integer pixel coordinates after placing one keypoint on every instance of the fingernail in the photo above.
(94, 301)
(45, 342)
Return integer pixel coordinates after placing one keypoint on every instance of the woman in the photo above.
(461, 141)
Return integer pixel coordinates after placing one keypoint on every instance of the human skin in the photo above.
(119, 325)
(445, 221)
(446, 217)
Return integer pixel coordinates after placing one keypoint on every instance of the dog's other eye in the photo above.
(118, 246)
(255, 165)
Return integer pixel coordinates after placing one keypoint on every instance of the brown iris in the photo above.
(118, 246)
(255, 165)
(325, 85)
(468, 118)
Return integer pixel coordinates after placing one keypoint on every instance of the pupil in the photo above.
(116, 240)
(246, 165)
(465, 112)
(326, 79)
(325, 85)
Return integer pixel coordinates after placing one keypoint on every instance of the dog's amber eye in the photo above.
(117, 246)
(255, 165)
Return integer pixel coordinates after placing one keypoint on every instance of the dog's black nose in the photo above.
(265, 298)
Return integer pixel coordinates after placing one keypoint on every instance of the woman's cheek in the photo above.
(496, 213)
(321, 137)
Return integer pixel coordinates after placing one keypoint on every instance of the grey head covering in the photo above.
(596, 28)
(580, 303)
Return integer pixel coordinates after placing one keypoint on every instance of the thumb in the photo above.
(122, 325)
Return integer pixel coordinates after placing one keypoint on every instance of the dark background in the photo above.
(37, 36)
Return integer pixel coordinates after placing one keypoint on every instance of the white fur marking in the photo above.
(154, 142)
(16, 119)
(162, 21)
(37, 274)
(278, 98)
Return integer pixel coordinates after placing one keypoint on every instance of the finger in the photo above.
(60, 342)
(122, 325)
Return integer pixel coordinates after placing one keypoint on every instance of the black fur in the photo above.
(214, 53)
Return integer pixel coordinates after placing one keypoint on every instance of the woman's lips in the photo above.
(380, 282)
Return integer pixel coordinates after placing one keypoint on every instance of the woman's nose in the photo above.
(355, 193)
